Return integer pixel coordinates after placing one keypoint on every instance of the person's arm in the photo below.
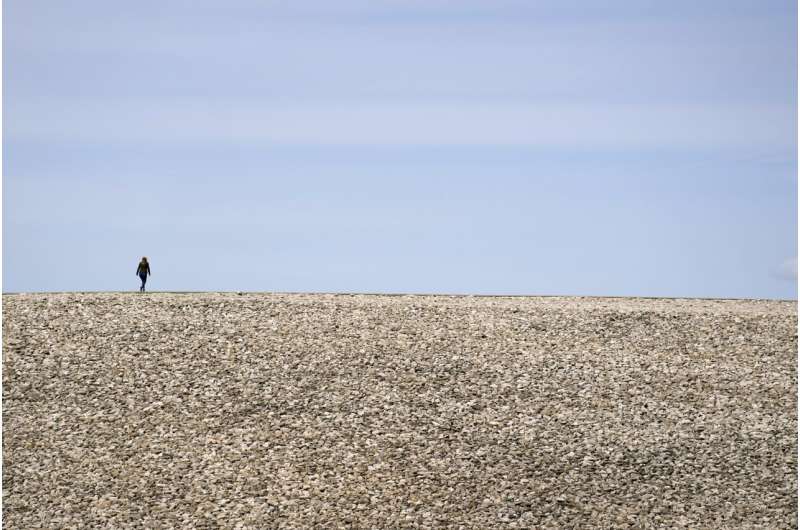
(148, 268)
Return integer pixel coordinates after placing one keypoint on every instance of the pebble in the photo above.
(245, 410)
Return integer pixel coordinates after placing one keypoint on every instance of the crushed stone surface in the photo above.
(226, 410)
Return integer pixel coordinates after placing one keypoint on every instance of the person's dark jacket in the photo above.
(143, 269)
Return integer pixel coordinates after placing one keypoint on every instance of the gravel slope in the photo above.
(212, 410)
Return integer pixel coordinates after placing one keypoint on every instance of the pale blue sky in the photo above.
(622, 147)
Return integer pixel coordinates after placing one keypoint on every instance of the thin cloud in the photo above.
(584, 126)
(787, 270)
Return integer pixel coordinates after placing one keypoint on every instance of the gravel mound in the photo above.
(225, 410)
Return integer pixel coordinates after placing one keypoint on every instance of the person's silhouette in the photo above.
(142, 271)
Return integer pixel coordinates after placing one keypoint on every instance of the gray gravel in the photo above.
(212, 410)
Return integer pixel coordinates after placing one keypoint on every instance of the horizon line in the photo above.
(448, 295)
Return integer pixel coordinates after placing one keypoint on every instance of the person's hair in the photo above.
(144, 259)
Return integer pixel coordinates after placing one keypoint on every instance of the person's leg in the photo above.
(144, 280)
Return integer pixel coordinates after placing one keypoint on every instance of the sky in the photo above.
(557, 147)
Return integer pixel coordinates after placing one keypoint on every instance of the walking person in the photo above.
(142, 271)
